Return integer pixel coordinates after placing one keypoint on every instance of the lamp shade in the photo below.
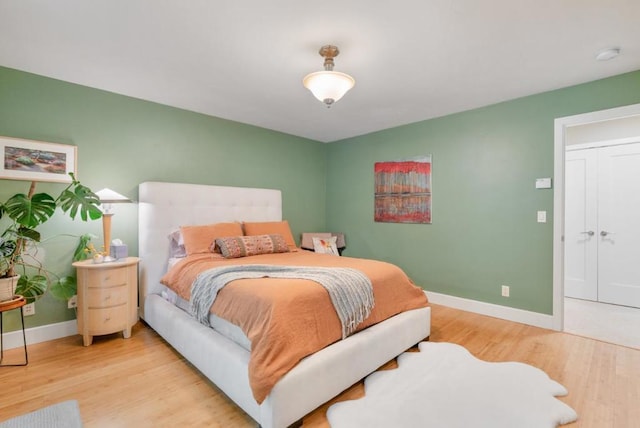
(108, 196)
(328, 86)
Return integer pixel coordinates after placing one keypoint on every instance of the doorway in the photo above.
(602, 241)
(592, 124)
(602, 227)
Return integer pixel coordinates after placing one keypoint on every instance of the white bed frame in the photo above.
(317, 378)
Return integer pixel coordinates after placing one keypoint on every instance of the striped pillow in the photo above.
(243, 246)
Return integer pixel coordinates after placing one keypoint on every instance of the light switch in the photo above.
(543, 183)
(542, 216)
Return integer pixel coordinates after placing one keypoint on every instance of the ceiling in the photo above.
(245, 60)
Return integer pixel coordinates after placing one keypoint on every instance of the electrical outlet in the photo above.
(505, 291)
(28, 310)
(72, 302)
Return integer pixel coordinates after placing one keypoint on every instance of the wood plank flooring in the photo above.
(142, 382)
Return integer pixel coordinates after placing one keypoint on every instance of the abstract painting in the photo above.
(403, 191)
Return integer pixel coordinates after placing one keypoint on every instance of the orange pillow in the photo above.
(198, 239)
(272, 228)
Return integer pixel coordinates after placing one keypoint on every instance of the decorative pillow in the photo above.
(242, 246)
(325, 245)
(306, 242)
(176, 244)
(198, 239)
(271, 228)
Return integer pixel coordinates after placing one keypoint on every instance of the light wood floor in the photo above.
(142, 382)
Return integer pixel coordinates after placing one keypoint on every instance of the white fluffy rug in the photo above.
(445, 386)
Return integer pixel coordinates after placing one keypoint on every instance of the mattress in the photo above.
(222, 326)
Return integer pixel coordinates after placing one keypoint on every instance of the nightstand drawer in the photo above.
(107, 320)
(106, 297)
(108, 277)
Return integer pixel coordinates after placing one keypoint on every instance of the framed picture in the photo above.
(37, 160)
(403, 191)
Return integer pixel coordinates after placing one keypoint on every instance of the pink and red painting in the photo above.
(403, 191)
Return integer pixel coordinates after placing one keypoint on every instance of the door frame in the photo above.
(560, 127)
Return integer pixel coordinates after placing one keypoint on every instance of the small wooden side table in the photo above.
(107, 297)
(17, 302)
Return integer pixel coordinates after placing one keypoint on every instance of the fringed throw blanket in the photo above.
(350, 290)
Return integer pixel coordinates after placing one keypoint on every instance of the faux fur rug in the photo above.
(443, 385)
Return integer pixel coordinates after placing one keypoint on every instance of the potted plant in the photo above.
(25, 213)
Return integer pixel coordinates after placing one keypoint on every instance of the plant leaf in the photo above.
(81, 200)
(30, 212)
(28, 234)
(32, 287)
(80, 252)
(7, 247)
(64, 288)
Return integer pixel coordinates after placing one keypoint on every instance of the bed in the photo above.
(314, 380)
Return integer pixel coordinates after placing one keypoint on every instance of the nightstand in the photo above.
(107, 297)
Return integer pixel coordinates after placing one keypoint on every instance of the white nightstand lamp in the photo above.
(107, 198)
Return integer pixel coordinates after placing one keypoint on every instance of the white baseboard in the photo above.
(39, 334)
(492, 310)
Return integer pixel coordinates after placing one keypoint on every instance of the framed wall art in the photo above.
(403, 191)
(37, 160)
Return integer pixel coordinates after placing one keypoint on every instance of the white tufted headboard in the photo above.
(164, 207)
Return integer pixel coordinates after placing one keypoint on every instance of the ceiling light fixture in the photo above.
(328, 86)
(607, 54)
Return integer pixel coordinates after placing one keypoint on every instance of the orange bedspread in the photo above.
(289, 319)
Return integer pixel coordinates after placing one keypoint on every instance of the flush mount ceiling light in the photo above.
(607, 54)
(328, 86)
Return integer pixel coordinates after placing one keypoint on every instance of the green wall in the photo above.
(123, 141)
(484, 232)
(485, 162)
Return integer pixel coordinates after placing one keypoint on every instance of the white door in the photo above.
(602, 224)
(619, 225)
(581, 224)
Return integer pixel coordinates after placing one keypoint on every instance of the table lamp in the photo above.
(107, 198)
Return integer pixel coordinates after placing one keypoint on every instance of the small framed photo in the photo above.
(37, 160)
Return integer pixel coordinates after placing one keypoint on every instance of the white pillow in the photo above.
(325, 245)
(176, 244)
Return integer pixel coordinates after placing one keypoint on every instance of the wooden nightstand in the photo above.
(107, 297)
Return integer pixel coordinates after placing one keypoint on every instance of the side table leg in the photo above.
(24, 341)
(24, 336)
(1, 344)
(126, 332)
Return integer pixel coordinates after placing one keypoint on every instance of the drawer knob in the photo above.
(107, 319)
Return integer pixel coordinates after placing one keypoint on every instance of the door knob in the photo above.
(605, 233)
(589, 232)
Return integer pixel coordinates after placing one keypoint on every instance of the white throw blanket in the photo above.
(350, 290)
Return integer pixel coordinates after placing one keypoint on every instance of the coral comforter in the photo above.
(289, 319)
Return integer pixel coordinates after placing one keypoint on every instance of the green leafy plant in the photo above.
(28, 211)
(67, 286)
